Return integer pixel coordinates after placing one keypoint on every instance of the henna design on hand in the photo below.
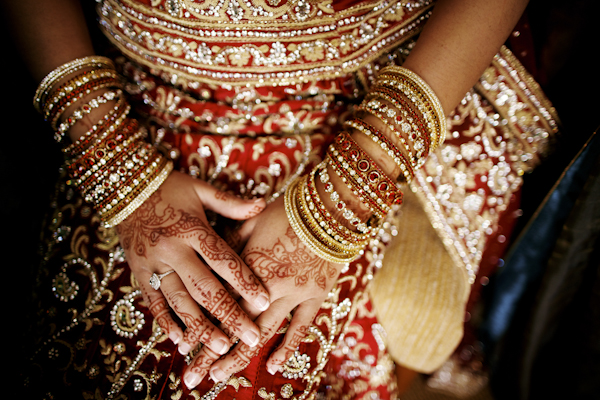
(203, 361)
(290, 346)
(218, 302)
(159, 308)
(147, 225)
(154, 221)
(254, 212)
(297, 337)
(243, 353)
(216, 249)
(294, 260)
(197, 330)
(224, 196)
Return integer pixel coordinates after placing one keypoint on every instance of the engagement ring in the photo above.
(155, 279)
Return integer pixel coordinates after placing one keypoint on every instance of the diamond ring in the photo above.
(155, 279)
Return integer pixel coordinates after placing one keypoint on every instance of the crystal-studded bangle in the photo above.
(124, 175)
(387, 116)
(406, 118)
(366, 179)
(424, 97)
(365, 228)
(71, 90)
(115, 216)
(385, 144)
(343, 171)
(319, 232)
(98, 132)
(119, 172)
(77, 95)
(61, 72)
(107, 163)
(84, 110)
(331, 226)
(305, 236)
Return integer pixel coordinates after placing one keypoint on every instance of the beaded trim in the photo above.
(187, 49)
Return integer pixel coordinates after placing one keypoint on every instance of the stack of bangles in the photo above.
(407, 107)
(112, 164)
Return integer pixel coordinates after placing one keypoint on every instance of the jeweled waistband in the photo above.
(221, 49)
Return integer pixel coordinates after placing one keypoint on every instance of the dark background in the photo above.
(562, 55)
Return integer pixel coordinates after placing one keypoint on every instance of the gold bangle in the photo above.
(140, 198)
(325, 218)
(426, 95)
(305, 237)
(317, 231)
(386, 145)
(62, 71)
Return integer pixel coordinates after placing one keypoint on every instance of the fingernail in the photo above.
(262, 302)
(222, 346)
(174, 336)
(184, 348)
(250, 338)
(191, 380)
(217, 374)
(272, 369)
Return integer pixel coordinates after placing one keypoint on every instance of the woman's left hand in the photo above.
(298, 282)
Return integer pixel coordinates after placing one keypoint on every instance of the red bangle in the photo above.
(360, 171)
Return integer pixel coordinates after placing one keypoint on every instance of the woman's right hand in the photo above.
(169, 231)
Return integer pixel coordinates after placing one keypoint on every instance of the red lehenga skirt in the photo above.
(97, 339)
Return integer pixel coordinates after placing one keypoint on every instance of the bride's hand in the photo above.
(169, 231)
(298, 282)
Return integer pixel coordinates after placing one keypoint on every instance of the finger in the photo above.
(219, 303)
(237, 359)
(199, 329)
(201, 363)
(198, 368)
(296, 332)
(160, 310)
(228, 265)
(206, 289)
(228, 204)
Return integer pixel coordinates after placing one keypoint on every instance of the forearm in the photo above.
(51, 33)
(458, 43)
(48, 33)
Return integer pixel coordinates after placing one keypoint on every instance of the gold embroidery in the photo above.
(287, 391)
(296, 366)
(237, 382)
(512, 125)
(195, 47)
(263, 394)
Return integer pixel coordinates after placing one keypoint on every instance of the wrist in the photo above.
(109, 160)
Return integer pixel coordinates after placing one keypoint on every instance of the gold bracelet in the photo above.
(379, 110)
(144, 195)
(428, 102)
(78, 87)
(305, 237)
(316, 230)
(386, 145)
(62, 71)
(365, 230)
(84, 110)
